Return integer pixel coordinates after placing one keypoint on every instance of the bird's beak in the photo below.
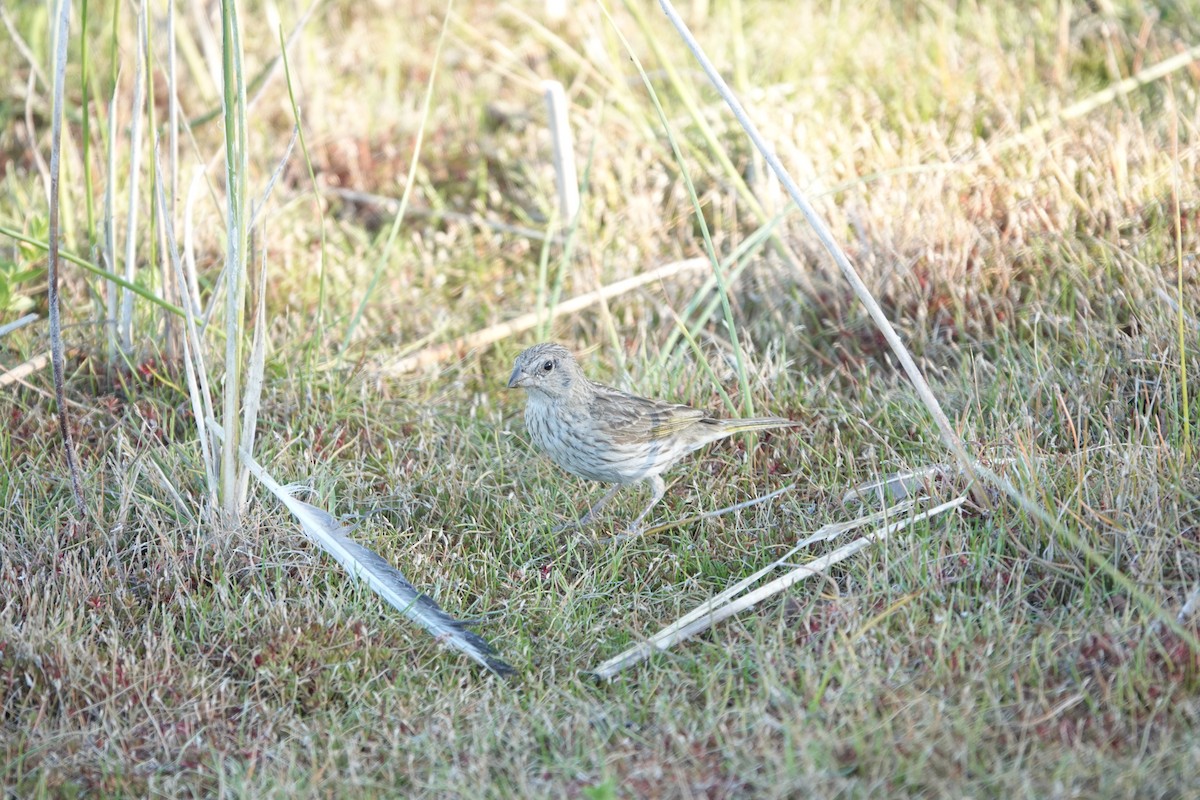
(517, 379)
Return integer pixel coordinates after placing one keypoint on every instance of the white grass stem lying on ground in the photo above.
(438, 353)
(384, 579)
(1107, 95)
(911, 482)
(724, 606)
(835, 251)
(19, 373)
(822, 534)
(17, 323)
(896, 485)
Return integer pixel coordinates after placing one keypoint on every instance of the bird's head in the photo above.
(547, 368)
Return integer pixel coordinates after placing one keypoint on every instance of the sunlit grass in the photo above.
(1046, 285)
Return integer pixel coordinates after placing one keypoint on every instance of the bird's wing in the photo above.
(627, 418)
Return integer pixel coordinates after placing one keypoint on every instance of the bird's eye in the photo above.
(548, 366)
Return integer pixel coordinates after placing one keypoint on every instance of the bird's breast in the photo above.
(578, 443)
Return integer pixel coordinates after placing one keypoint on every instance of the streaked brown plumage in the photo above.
(598, 432)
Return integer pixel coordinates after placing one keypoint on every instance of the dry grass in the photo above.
(145, 650)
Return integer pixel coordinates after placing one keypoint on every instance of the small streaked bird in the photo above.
(601, 433)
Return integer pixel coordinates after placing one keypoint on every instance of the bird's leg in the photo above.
(591, 514)
(601, 503)
(659, 487)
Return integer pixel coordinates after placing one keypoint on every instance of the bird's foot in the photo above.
(629, 533)
(570, 525)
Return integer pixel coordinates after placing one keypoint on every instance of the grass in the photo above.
(150, 649)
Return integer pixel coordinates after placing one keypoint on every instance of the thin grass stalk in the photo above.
(715, 148)
(569, 242)
(38, 159)
(705, 367)
(1090, 103)
(318, 336)
(824, 534)
(654, 530)
(261, 80)
(63, 30)
(112, 292)
(125, 323)
(736, 262)
(428, 356)
(195, 370)
(210, 58)
(236, 180)
(168, 275)
(109, 258)
(564, 262)
(35, 69)
(542, 301)
(85, 109)
(409, 182)
(970, 468)
(172, 109)
(864, 294)
(615, 89)
(99, 272)
(1177, 219)
(572, 238)
(254, 380)
(275, 176)
(192, 296)
(710, 249)
(154, 227)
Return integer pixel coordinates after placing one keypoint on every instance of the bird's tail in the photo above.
(731, 426)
